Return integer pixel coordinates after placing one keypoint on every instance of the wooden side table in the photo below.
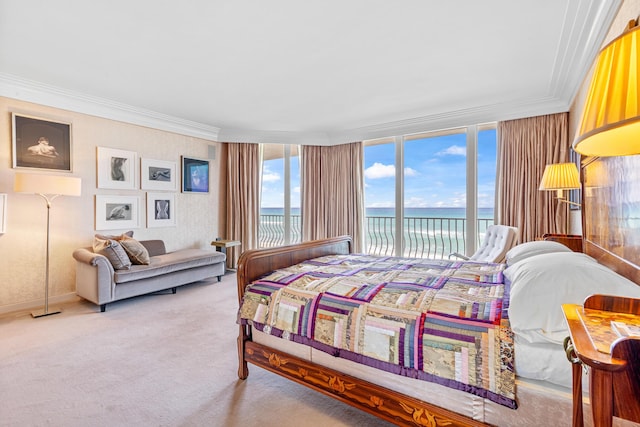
(614, 362)
(222, 245)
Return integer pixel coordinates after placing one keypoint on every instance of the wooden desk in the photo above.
(614, 362)
(222, 245)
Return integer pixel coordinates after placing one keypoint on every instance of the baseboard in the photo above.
(39, 303)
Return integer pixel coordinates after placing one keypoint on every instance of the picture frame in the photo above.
(117, 212)
(195, 175)
(161, 210)
(158, 175)
(39, 143)
(116, 168)
(3, 213)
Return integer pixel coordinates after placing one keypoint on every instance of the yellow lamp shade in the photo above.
(560, 176)
(610, 124)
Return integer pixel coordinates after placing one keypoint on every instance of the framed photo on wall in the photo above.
(161, 210)
(158, 175)
(195, 175)
(41, 144)
(116, 169)
(117, 212)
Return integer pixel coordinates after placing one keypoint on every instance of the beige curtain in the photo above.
(525, 147)
(243, 198)
(332, 183)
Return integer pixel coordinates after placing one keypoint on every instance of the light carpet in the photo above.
(155, 360)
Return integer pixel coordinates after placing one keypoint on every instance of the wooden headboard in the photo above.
(611, 213)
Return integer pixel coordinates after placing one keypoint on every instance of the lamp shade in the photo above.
(560, 176)
(610, 124)
(47, 184)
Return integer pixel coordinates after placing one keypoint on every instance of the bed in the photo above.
(537, 274)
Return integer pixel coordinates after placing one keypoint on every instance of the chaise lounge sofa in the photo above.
(99, 282)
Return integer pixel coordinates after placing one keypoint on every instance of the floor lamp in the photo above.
(560, 177)
(49, 187)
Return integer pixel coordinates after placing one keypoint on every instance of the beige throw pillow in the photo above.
(117, 238)
(113, 251)
(138, 254)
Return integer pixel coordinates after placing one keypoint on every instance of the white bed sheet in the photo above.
(539, 361)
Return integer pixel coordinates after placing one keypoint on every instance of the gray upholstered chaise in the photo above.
(98, 282)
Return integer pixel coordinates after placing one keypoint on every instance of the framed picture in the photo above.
(158, 175)
(3, 213)
(41, 144)
(161, 210)
(117, 212)
(195, 175)
(116, 169)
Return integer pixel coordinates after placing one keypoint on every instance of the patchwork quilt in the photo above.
(437, 320)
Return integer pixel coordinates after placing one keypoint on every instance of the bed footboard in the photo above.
(255, 263)
(374, 399)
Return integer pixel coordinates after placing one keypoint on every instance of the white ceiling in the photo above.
(318, 72)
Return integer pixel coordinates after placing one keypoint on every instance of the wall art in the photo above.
(161, 210)
(158, 175)
(117, 212)
(116, 169)
(41, 144)
(195, 175)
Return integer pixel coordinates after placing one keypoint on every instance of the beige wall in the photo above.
(22, 247)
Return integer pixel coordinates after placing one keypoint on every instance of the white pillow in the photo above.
(541, 284)
(528, 249)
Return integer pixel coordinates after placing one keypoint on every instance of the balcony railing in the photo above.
(271, 231)
(432, 237)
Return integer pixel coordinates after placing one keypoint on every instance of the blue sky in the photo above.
(434, 170)
(435, 174)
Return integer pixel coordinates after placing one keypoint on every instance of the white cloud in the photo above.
(410, 172)
(378, 170)
(269, 176)
(454, 150)
(381, 205)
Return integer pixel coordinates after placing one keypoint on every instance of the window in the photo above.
(428, 195)
(280, 196)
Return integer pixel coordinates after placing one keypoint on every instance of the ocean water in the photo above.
(483, 213)
(428, 232)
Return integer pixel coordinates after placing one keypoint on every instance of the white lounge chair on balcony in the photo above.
(496, 243)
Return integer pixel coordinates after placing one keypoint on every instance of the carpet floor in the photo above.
(155, 360)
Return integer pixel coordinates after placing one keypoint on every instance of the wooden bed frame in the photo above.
(382, 402)
(388, 404)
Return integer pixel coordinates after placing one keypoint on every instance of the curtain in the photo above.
(525, 147)
(332, 180)
(243, 198)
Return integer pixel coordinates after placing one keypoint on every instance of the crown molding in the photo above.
(273, 137)
(26, 90)
(586, 26)
(456, 118)
(31, 91)
(436, 121)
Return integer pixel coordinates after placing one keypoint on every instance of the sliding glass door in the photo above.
(429, 195)
(280, 196)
